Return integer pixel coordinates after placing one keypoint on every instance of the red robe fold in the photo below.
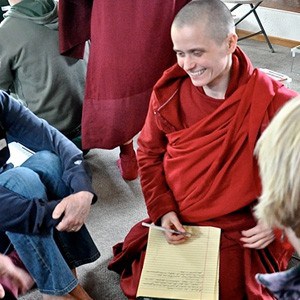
(207, 173)
(212, 162)
(130, 48)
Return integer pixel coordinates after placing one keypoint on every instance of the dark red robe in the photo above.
(206, 172)
(130, 48)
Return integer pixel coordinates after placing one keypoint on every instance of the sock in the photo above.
(127, 149)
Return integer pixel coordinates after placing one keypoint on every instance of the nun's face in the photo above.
(206, 61)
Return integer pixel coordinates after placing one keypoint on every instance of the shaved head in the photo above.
(213, 15)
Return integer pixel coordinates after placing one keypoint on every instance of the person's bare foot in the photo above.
(17, 277)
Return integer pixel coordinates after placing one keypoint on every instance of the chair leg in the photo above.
(262, 29)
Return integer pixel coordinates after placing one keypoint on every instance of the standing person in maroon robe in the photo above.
(196, 157)
(130, 48)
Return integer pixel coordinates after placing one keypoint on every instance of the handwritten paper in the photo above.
(185, 271)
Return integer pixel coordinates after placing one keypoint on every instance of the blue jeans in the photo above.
(49, 257)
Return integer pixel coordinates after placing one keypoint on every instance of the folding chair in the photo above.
(253, 6)
(294, 50)
(278, 76)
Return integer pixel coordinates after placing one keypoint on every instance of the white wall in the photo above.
(277, 23)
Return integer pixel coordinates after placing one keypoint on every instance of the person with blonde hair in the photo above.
(278, 152)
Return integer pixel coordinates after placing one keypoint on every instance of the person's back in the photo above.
(50, 85)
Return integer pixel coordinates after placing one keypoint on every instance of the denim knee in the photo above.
(46, 156)
(24, 182)
(44, 161)
(48, 166)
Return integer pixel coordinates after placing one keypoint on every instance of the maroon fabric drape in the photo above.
(74, 26)
(130, 48)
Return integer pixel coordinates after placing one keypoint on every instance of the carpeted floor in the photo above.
(121, 203)
(281, 61)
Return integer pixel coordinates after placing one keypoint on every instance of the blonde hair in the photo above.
(278, 152)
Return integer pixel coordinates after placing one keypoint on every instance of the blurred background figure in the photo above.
(49, 84)
(130, 48)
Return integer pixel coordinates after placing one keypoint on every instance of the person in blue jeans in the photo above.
(44, 203)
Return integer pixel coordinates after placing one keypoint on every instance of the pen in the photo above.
(166, 229)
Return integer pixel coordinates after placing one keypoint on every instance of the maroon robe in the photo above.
(207, 174)
(130, 48)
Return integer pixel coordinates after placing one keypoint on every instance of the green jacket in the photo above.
(31, 67)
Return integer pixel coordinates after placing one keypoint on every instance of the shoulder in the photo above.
(5, 30)
(11, 34)
(8, 24)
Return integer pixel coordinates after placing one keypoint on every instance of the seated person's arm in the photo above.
(74, 209)
(22, 215)
(37, 135)
(152, 144)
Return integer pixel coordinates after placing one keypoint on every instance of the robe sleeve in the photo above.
(152, 144)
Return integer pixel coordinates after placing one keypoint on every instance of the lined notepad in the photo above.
(185, 271)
